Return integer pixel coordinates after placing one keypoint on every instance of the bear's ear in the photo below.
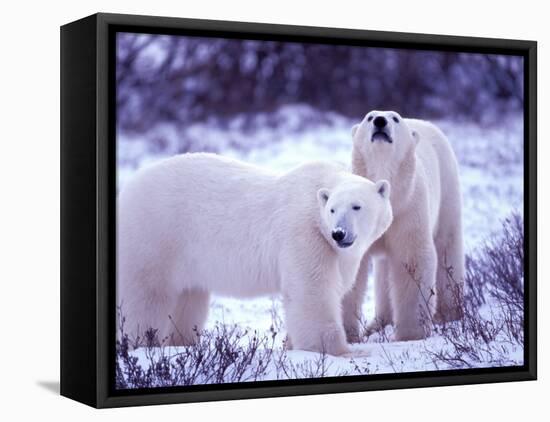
(322, 196)
(383, 188)
(416, 137)
(354, 130)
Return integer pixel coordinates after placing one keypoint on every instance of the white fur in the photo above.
(419, 261)
(197, 224)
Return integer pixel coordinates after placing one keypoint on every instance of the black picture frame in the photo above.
(88, 192)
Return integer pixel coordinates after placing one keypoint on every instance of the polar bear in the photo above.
(200, 223)
(419, 261)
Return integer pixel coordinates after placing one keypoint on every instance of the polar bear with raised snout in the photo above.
(197, 224)
(419, 261)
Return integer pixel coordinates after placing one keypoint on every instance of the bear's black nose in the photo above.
(338, 234)
(380, 122)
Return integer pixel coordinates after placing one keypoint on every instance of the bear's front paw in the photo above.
(329, 339)
(333, 340)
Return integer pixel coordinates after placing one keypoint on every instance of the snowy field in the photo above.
(491, 171)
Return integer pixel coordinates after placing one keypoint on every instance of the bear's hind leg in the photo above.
(145, 313)
(189, 317)
(450, 276)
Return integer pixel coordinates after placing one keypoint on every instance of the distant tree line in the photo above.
(189, 79)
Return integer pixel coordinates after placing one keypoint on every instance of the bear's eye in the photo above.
(356, 207)
(332, 210)
(370, 118)
(395, 119)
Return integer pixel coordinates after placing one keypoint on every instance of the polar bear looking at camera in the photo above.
(419, 261)
(197, 224)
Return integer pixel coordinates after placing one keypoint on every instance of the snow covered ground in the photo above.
(491, 172)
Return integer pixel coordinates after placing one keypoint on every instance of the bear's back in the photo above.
(438, 161)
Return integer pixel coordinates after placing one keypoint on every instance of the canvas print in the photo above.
(298, 210)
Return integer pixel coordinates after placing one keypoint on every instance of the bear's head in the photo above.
(355, 212)
(383, 138)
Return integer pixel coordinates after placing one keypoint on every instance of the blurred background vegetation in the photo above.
(182, 79)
